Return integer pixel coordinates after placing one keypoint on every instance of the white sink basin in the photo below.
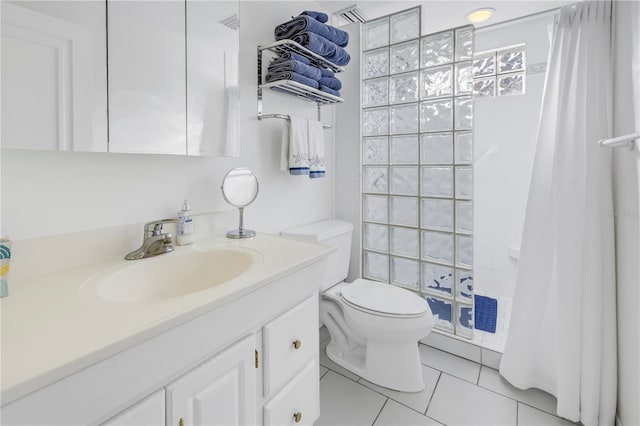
(171, 275)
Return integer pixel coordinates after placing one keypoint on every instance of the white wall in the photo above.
(348, 169)
(627, 222)
(51, 193)
(505, 130)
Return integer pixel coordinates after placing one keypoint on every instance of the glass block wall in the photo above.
(417, 119)
(499, 72)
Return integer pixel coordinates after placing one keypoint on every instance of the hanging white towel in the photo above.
(284, 149)
(298, 146)
(316, 149)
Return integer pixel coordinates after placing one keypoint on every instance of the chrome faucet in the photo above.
(154, 242)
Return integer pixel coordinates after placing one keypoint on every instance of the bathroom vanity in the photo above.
(241, 352)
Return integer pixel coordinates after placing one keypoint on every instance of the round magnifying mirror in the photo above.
(240, 188)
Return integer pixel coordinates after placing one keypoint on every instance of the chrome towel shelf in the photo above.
(294, 88)
(282, 46)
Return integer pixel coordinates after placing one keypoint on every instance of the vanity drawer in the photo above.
(290, 342)
(297, 403)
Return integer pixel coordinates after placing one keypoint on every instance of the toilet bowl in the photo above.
(374, 327)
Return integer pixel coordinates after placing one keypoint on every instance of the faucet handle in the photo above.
(154, 228)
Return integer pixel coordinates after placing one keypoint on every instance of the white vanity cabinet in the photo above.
(291, 382)
(220, 392)
(252, 360)
(148, 412)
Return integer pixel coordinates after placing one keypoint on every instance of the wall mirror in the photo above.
(156, 77)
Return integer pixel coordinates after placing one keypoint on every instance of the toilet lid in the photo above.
(383, 298)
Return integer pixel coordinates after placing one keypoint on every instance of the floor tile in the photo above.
(324, 360)
(460, 403)
(345, 402)
(323, 370)
(529, 416)
(394, 414)
(451, 364)
(416, 400)
(491, 379)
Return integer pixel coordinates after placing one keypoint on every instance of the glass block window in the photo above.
(417, 151)
(499, 72)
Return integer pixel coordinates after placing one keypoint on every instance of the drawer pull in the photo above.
(297, 344)
(181, 422)
(297, 417)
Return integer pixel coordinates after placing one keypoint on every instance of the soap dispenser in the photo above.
(185, 225)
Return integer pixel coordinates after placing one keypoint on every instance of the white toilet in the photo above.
(374, 327)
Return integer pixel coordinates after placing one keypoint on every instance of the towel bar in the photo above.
(286, 117)
(626, 140)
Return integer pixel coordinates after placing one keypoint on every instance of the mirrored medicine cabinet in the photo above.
(148, 77)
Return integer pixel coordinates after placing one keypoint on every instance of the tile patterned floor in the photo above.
(458, 392)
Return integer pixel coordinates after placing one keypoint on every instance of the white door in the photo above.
(222, 391)
(149, 412)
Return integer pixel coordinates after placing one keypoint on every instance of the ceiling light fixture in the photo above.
(480, 15)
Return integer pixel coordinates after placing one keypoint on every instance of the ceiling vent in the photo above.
(232, 22)
(351, 14)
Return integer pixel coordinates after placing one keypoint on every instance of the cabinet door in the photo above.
(147, 88)
(149, 412)
(222, 391)
(290, 342)
(298, 402)
(51, 76)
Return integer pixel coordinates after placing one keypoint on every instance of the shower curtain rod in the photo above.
(520, 18)
(626, 140)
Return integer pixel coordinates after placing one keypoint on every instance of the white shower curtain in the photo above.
(562, 335)
(635, 66)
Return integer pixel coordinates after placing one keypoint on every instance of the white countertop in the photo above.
(51, 329)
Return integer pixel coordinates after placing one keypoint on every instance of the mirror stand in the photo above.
(240, 188)
(241, 232)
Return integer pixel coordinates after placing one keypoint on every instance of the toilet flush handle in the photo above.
(297, 344)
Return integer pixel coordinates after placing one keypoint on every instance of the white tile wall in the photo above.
(504, 151)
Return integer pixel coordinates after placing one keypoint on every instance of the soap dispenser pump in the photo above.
(185, 225)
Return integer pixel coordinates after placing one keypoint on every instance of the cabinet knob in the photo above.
(297, 344)
(297, 417)
(181, 422)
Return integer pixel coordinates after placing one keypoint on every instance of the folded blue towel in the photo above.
(323, 47)
(329, 90)
(327, 72)
(290, 75)
(319, 16)
(286, 56)
(297, 67)
(331, 82)
(309, 24)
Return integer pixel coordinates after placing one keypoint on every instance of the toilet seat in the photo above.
(383, 299)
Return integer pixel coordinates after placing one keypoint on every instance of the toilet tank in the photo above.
(334, 233)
